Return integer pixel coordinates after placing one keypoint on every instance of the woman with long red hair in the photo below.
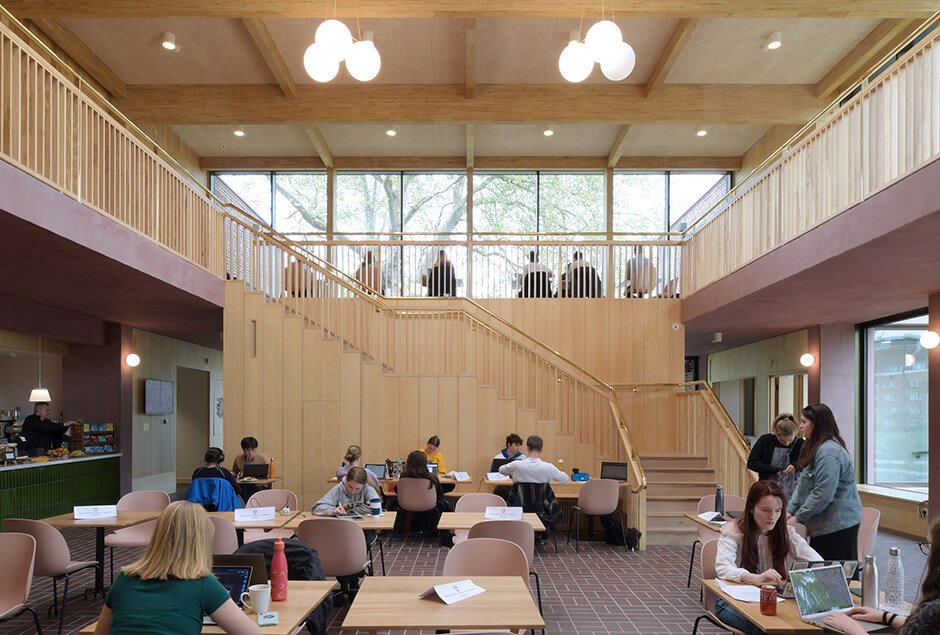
(758, 548)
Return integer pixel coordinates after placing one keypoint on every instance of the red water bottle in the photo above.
(279, 572)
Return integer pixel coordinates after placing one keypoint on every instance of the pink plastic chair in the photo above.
(19, 555)
(136, 535)
(53, 558)
(487, 557)
(341, 546)
(868, 531)
(415, 496)
(597, 498)
(475, 503)
(276, 498)
(224, 536)
(516, 531)
(706, 504)
(709, 554)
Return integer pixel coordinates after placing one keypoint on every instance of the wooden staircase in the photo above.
(675, 485)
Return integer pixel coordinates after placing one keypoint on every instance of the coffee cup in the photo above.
(376, 505)
(258, 598)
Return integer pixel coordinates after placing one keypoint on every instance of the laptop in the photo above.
(614, 471)
(259, 572)
(235, 580)
(498, 463)
(821, 591)
(432, 468)
(377, 468)
(849, 567)
(255, 470)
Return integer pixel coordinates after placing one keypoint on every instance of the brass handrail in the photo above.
(746, 181)
(729, 422)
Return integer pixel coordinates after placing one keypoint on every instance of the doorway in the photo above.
(788, 393)
(192, 421)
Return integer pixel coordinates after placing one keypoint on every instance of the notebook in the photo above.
(255, 470)
(849, 567)
(377, 468)
(821, 591)
(235, 580)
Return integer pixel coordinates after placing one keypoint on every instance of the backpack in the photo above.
(613, 531)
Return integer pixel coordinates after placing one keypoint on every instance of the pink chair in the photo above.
(475, 503)
(53, 558)
(136, 535)
(709, 553)
(224, 536)
(19, 555)
(516, 531)
(706, 504)
(415, 496)
(276, 498)
(868, 531)
(596, 498)
(341, 546)
(487, 557)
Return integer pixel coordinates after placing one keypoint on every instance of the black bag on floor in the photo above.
(303, 563)
(613, 531)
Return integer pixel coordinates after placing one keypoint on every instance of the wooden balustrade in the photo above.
(58, 131)
(886, 132)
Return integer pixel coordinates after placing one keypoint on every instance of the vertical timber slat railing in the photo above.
(438, 336)
(890, 129)
(58, 131)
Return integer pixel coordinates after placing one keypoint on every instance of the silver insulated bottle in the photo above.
(870, 583)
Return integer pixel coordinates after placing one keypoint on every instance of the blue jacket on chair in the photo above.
(215, 494)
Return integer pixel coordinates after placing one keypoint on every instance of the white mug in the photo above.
(258, 598)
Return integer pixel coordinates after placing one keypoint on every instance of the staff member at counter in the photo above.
(41, 432)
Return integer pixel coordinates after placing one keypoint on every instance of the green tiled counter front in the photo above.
(49, 489)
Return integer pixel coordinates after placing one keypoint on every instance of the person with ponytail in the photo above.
(826, 496)
(758, 548)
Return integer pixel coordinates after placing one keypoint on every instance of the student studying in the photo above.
(352, 494)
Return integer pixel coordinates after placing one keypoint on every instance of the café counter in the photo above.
(40, 490)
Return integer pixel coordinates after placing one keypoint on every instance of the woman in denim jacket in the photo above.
(826, 497)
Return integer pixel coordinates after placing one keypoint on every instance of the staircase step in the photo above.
(670, 503)
(660, 520)
(673, 460)
(676, 536)
(697, 489)
(678, 474)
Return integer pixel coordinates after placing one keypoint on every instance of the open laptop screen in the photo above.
(234, 579)
(821, 590)
(432, 468)
(377, 468)
(255, 470)
(615, 471)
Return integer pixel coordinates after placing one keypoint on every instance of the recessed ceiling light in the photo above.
(548, 132)
(774, 41)
(701, 132)
(239, 132)
(168, 41)
(390, 132)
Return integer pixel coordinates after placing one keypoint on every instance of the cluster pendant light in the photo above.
(603, 44)
(333, 44)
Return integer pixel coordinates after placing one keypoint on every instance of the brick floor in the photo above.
(601, 590)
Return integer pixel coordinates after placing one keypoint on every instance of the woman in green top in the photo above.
(171, 588)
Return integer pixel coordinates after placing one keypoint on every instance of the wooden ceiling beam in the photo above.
(468, 9)
(471, 70)
(873, 47)
(667, 59)
(82, 55)
(616, 150)
(471, 142)
(459, 163)
(272, 56)
(495, 103)
(319, 144)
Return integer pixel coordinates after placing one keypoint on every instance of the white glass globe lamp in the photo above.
(319, 64)
(335, 36)
(930, 339)
(618, 63)
(601, 39)
(575, 62)
(364, 61)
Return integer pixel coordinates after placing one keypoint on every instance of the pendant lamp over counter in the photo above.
(40, 394)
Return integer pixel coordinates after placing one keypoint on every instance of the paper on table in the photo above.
(496, 476)
(461, 477)
(503, 513)
(710, 516)
(454, 592)
(743, 592)
(254, 514)
(89, 512)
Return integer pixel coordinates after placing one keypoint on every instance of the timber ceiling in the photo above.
(473, 78)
